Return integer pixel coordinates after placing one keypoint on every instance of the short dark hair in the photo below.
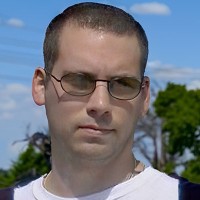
(100, 17)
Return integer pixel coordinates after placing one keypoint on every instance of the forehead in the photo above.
(72, 32)
(84, 47)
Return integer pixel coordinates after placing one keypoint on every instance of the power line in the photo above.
(20, 57)
(23, 61)
(30, 56)
(11, 77)
(19, 53)
(20, 43)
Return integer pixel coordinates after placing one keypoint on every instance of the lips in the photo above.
(95, 128)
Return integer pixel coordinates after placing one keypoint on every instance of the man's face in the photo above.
(97, 126)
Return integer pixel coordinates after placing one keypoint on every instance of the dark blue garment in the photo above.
(6, 194)
(188, 190)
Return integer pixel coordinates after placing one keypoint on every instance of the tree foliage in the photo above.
(180, 110)
(30, 164)
(192, 170)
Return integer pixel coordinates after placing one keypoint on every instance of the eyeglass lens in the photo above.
(81, 84)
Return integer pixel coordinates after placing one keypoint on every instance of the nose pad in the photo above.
(99, 101)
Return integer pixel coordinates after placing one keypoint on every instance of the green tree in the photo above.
(30, 164)
(179, 110)
(192, 170)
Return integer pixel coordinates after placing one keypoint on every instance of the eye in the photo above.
(127, 82)
(77, 81)
(124, 86)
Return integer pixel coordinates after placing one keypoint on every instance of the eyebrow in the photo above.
(95, 76)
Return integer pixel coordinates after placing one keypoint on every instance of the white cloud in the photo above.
(151, 8)
(13, 97)
(18, 23)
(7, 104)
(17, 88)
(6, 115)
(171, 73)
(194, 85)
(17, 107)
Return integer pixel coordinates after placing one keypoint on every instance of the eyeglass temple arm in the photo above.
(48, 73)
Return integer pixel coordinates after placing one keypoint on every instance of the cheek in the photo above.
(62, 123)
(59, 113)
(62, 113)
(133, 108)
(129, 114)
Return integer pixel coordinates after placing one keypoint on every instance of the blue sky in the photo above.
(172, 27)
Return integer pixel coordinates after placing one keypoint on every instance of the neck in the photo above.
(80, 180)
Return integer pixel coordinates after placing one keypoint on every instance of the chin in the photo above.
(94, 152)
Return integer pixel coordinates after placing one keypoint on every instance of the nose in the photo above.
(99, 102)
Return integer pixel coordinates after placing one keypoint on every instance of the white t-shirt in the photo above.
(148, 185)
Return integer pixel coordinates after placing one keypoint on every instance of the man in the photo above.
(94, 90)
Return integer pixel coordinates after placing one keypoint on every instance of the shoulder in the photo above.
(161, 185)
(161, 176)
(24, 192)
(188, 190)
(157, 185)
(7, 193)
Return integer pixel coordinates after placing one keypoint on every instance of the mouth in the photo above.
(93, 129)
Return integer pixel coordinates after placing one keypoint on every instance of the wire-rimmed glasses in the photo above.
(81, 84)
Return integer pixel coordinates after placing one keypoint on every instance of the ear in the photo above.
(146, 95)
(38, 86)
